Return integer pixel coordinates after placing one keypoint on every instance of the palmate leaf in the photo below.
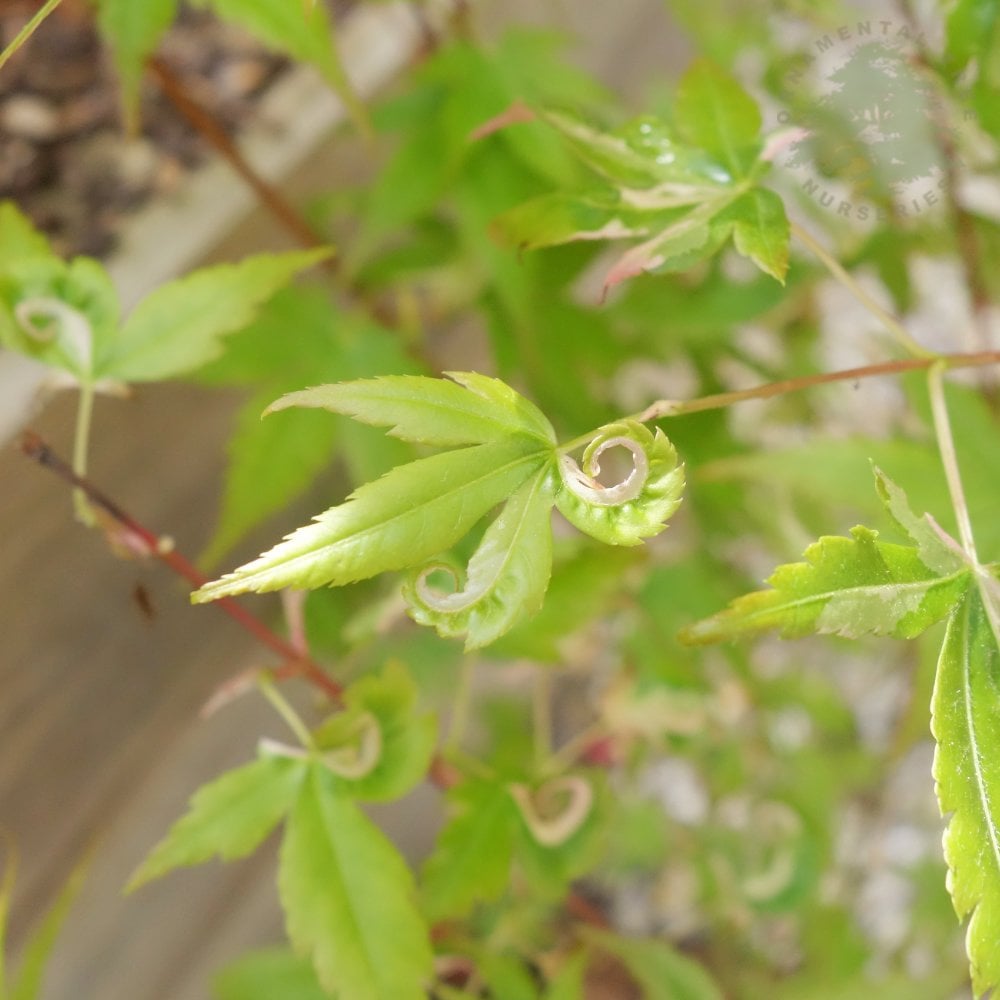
(507, 576)
(684, 188)
(472, 409)
(847, 586)
(412, 513)
(228, 817)
(349, 899)
(965, 721)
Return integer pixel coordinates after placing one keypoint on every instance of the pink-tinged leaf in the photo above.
(694, 234)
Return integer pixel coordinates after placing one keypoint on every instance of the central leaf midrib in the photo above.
(291, 561)
(866, 588)
(973, 739)
(336, 867)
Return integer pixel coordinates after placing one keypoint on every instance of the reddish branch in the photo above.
(138, 538)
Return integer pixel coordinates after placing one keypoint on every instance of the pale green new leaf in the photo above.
(472, 857)
(847, 586)
(966, 724)
(406, 737)
(412, 513)
(761, 230)
(349, 899)
(634, 509)
(134, 29)
(472, 409)
(270, 974)
(507, 576)
(713, 112)
(228, 817)
(180, 325)
(938, 552)
(659, 969)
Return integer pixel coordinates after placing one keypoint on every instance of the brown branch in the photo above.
(680, 407)
(139, 539)
(212, 131)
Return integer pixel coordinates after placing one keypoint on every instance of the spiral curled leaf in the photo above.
(507, 575)
(359, 753)
(553, 812)
(626, 512)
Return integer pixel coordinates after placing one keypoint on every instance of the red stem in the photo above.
(140, 538)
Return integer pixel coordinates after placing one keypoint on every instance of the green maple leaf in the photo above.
(847, 586)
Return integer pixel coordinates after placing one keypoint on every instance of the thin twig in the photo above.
(949, 459)
(140, 539)
(27, 31)
(679, 407)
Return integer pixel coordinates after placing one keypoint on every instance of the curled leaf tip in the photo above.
(553, 812)
(359, 756)
(45, 319)
(506, 577)
(635, 508)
